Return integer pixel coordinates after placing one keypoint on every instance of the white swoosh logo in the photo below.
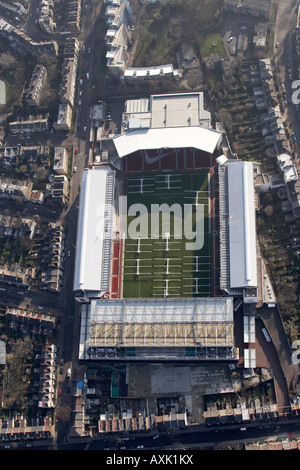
(151, 160)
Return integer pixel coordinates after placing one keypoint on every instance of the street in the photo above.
(192, 440)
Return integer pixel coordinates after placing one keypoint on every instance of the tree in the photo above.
(64, 413)
(17, 373)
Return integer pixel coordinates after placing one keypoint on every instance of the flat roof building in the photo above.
(181, 329)
(92, 270)
(166, 111)
(181, 109)
(60, 164)
(238, 228)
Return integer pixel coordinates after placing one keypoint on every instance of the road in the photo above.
(179, 441)
(71, 323)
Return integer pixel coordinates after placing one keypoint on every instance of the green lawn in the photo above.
(152, 43)
(211, 44)
(153, 265)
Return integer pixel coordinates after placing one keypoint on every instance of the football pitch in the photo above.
(168, 241)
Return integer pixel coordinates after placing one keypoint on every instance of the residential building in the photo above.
(52, 277)
(15, 189)
(16, 227)
(57, 190)
(45, 366)
(186, 57)
(260, 36)
(23, 43)
(16, 276)
(60, 165)
(64, 117)
(32, 124)
(74, 16)
(67, 87)
(45, 20)
(134, 74)
(256, 8)
(37, 197)
(119, 19)
(30, 321)
(36, 85)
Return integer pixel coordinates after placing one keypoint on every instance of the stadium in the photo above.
(166, 239)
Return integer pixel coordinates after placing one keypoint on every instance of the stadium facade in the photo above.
(145, 299)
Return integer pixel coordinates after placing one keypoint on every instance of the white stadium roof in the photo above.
(94, 222)
(197, 137)
(242, 225)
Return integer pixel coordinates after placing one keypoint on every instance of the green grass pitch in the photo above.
(154, 267)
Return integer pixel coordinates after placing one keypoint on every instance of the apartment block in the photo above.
(36, 85)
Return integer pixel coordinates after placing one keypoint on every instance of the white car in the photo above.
(230, 39)
(75, 169)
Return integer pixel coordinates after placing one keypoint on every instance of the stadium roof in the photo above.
(148, 323)
(197, 137)
(242, 226)
(93, 222)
